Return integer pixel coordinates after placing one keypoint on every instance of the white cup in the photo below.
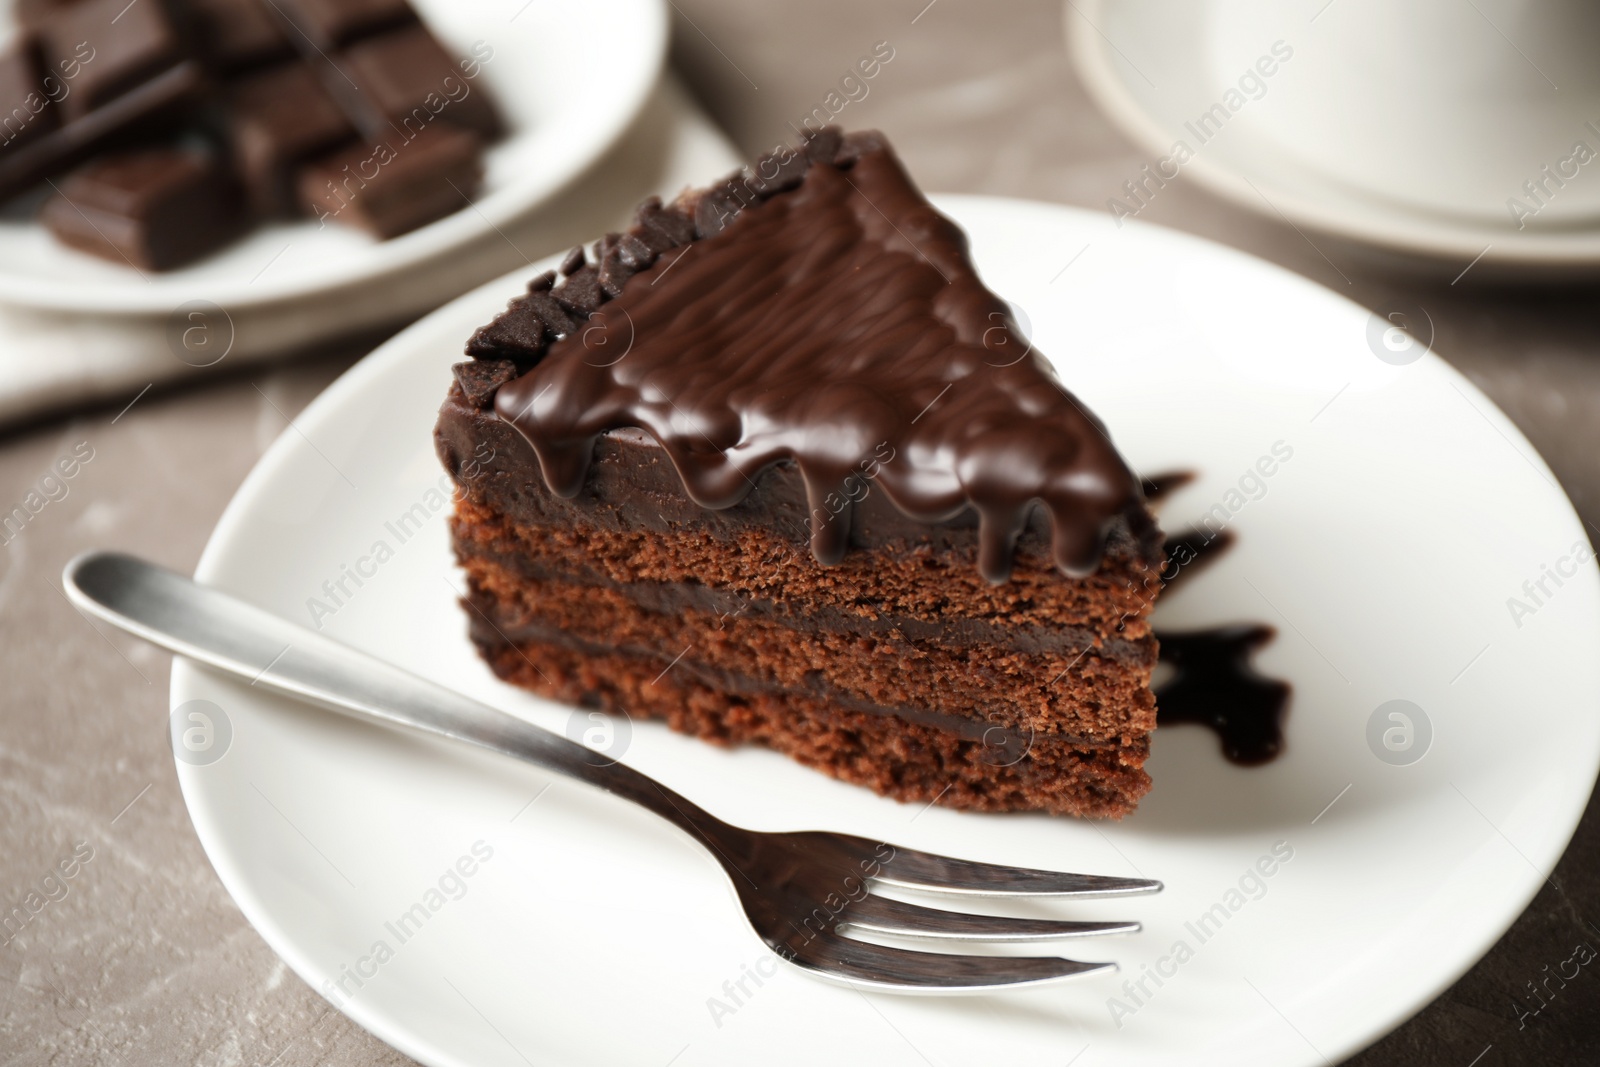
(1454, 107)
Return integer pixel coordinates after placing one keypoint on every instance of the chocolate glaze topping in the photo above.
(819, 312)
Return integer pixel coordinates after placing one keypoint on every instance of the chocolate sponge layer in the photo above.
(900, 669)
(911, 761)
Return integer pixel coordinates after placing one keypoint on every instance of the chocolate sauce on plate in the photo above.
(1159, 486)
(1214, 684)
(1189, 551)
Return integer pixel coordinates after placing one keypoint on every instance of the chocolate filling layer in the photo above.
(993, 734)
(671, 598)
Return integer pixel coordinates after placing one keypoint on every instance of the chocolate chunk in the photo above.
(634, 253)
(780, 170)
(655, 242)
(713, 212)
(155, 208)
(143, 111)
(543, 282)
(581, 292)
(552, 314)
(26, 109)
(515, 334)
(662, 228)
(390, 187)
(855, 145)
(116, 46)
(331, 24)
(744, 190)
(481, 377)
(823, 146)
(235, 35)
(405, 79)
(614, 273)
(281, 118)
(31, 14)
(573, 260)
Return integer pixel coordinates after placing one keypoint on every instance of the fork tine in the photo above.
(887, 916)
(896, 970)
(927, 871)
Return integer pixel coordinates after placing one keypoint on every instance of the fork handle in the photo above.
(214, 628)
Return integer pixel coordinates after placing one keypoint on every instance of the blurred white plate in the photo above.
(568, 77)
(1407, 127)
(1383, 548)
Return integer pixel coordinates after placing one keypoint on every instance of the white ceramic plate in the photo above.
(1422, 162)
(568, 77)
(1384, 549)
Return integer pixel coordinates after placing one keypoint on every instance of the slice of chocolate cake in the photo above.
(775, 466)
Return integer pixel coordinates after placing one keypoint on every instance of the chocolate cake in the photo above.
(775, 466)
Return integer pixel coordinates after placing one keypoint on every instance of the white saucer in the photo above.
(1427, 169)
(1383, 548)
(568, 77)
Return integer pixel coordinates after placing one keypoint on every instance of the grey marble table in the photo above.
(143, 959)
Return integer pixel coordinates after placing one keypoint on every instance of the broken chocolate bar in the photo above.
(279, 119)
(155, 208)
(296, 83)
(128, 45)
(329, 24)
(405, 79)
(237, 35)
(389, 187)
(147, 109)
(24, 97)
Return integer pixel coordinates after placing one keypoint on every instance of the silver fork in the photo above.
(800, 891)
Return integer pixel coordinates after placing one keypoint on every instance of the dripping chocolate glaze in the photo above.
(1213, 683)
(831, 325)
